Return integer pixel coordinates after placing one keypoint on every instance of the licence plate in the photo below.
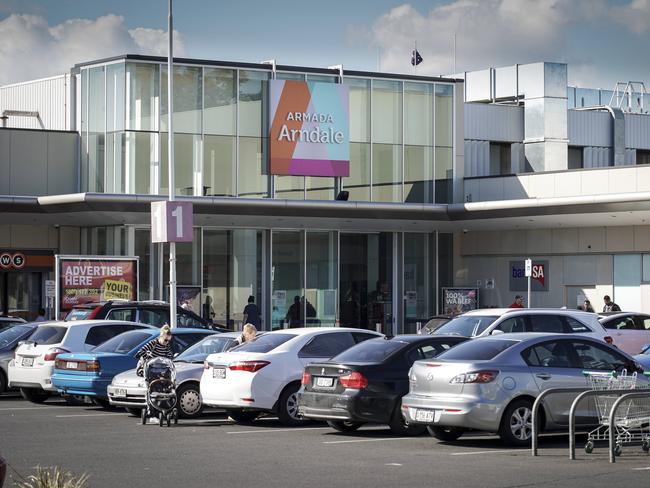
(324, 382)
(28, 362)
(424, 415)
(120, 392)
(71, 365)
(219, 373)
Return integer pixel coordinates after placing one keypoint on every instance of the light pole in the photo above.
(170, 160)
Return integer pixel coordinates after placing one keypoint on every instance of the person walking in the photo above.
(41, 316)
(252, 313)
(160, 347)
(610, 306)
(518, 303)
(587, 307)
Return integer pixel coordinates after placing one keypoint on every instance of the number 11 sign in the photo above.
(171, 221)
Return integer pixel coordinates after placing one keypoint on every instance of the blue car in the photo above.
(90, 373)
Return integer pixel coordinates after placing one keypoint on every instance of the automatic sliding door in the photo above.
(287, 274)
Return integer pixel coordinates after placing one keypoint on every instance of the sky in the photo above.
(603, 41)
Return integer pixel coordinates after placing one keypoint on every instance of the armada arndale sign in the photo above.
(309, 129)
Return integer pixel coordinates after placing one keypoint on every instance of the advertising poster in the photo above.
(459, 300)
(86, 279)
(309, 128)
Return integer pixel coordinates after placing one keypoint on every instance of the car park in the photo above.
(9, 339)
(128, 389)
(7, 321)
(264, 375)
(151, 312)
(630, 330)
(89, 373)
(490, 383)
(491, 321)
(33, 363)
(365, 383)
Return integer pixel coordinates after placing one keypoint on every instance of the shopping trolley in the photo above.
(632, 420)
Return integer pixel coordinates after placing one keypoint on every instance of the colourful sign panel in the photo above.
(459, 300)
(95, 279)
(309, 129)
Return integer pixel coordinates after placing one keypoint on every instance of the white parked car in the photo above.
(33, 364)
(264, 375)
(491, 321)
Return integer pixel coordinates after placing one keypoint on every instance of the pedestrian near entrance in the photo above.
(252, 313)
(518, 303)
(587, 307)
(610, 306)
(248, 334)
(41, 315)
(160, 347)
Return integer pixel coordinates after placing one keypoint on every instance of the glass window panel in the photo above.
(219, 161)
(387, 112)
(141, 154)
(252, 181)
(359, 109)
(188, 261)
(143, 92)
(143, 250)
(84, 100)
(94, 162)
(186, 163)
(418, 174)
(115, 162)
(444, 175)
(290, 187)
(386, 173)
(323, 78)
(418, 114)
(358, 183)
(322, 278)
(216, 275)
(246, 274)
(320, 188)
(96, 100)
(419, 280)
(290, 76)
(444, 115)
(253, 100)
(287, 279)
(187, 99)
(115, 97)
(220, 105)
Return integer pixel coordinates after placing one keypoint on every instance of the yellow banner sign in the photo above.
(116, 290)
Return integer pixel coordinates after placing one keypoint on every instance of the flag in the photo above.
(416, 58)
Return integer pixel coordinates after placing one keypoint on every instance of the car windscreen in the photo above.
(124, 342)
(48, 334)
(478, 349)
(466, 325)
(370, 351)
(201, 350)
(265, 343)
(79, 314)
(10, 335)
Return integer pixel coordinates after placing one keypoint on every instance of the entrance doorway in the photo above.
(21, 294)
(574, 296)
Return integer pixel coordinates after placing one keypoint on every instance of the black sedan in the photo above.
(366, 383)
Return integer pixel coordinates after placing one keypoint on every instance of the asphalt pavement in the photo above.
(115, 450)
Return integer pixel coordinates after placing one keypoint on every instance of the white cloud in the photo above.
(31, 48)
(500, 32)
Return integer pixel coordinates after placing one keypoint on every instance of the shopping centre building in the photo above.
(418, 184)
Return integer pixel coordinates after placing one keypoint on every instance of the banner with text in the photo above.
(94, 279)
(539, 276)
(309, 129)
(459, 300)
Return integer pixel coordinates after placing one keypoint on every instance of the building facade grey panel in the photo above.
(489, 122)
(637, 131)
(588, 128)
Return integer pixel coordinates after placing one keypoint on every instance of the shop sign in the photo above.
(171, 221)
(86, 279)
(26, 260)
(459, 300)
(309, 129)
(538, 276)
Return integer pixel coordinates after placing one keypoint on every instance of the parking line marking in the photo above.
(273, 431)
(88, 415)
(486, 452)
(369, 440)
(47, 407)
(641, 469)
(393, 464)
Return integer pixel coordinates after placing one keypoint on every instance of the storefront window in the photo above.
(219, 161)
(418, 174)
(188, 262)
(287, 274)
(143, 96)
(444, 175)
(187, 99)
(252, 181)
(220, 105)
(386, 173)
(142, 249)
(358, 183)
(187, 151)
(253, 103)
(387, 112)
(322, 280)
(141, 149)
(419, 280)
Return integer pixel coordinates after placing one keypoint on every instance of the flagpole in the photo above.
(415, 56)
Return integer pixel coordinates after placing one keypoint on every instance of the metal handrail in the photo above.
(612, 416)
(537, 403)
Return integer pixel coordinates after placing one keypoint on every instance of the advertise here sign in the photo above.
(309, 129)
(538, 276)
(459, 300)
(95, 279)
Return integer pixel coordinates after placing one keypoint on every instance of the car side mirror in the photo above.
(497, 332)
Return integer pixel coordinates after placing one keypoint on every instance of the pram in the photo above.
(160, 380)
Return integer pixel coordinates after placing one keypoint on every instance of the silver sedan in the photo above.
(489, 384)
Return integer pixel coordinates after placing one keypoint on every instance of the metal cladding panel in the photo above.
(490, 122)
(637, 131)
(49, 97)
(588, 128)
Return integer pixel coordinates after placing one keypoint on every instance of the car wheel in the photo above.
(398, 425)
(288, 406)
(136, 412)
(103, 402)
(3, 382)
(34, 395)
(516, 425)
(242, 416)
(447, 434)
(189, 401)
(344, 426)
